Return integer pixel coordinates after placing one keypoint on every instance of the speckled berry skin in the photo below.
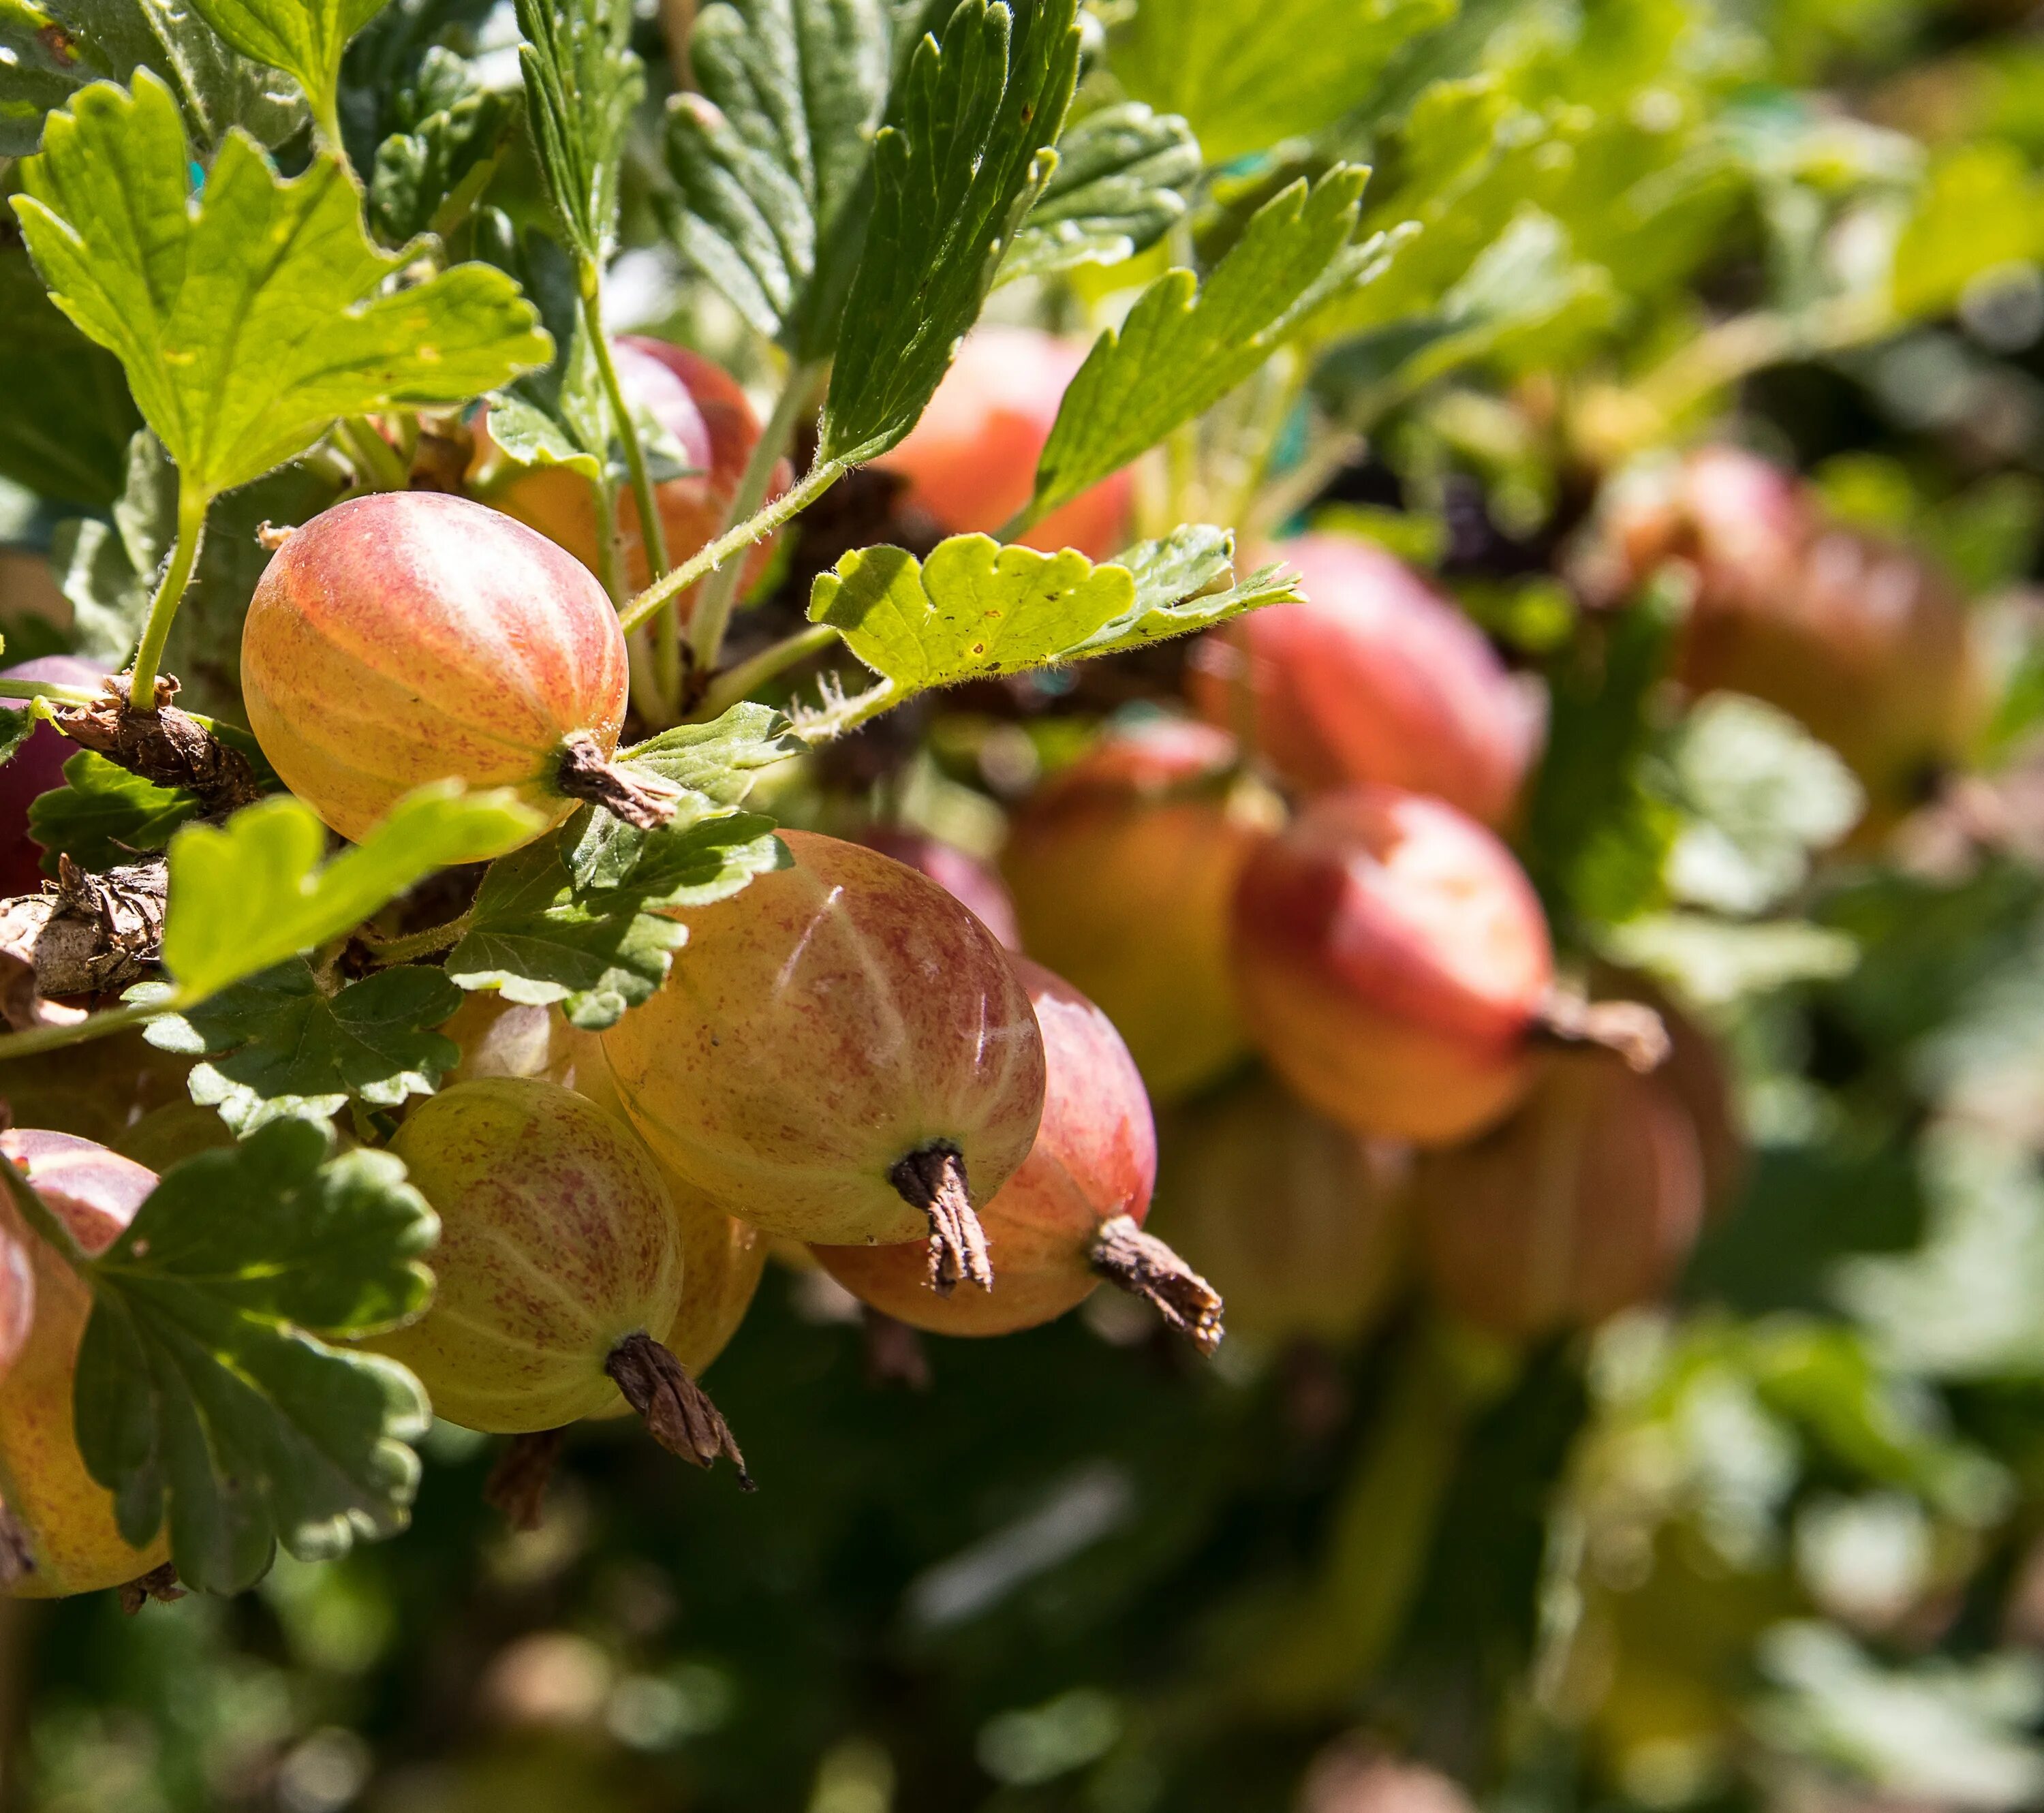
(832, 1019)
(410, 637)
(67, 1514)
(557, 1241)
(1391, 957)
(1095, 1157)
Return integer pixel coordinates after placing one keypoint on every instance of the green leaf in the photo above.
(451, 131)
(1122, 182)
(1184, 346)
(64, 431)
(206, 1391)
(768, 153)
(106, 570)
(581, 83)
(963, 155)
(251, 893)
(303, 38)
(1249, 73)
(103, 815)
(248, 322)
(278, 1047)
(1981, 209)
(601, 947)
(974, 609)
(54, 48)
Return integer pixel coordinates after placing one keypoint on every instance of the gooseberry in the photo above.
(1300, 1223)
(1072, 1214)
(35, 768)
(557, 1270)
(1375, 677)
(1122, 867)
(964, 877)
(705, 412)
(970, 461)
(410, 636)
(57, 1530)
(1585, 1201)
(1392, 960)
(841, 1054)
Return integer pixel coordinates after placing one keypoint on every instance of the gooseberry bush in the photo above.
(1157, 676)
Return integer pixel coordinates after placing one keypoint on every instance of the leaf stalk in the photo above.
(192, 506)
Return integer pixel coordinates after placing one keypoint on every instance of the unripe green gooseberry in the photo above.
(1071, 1216)
(841, 1053)
(557, 1246)
(52, 1504)
(409, 637)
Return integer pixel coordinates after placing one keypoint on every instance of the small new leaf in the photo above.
(103, 815)
(601, 947)
(427, 175)
(1184, 346)
(249, 320)
(251, 893)
(581, 83)
(966, 152)
(303, 38)
(975, 608)
(277, 1045)
(1122, 180)
(206, 1391)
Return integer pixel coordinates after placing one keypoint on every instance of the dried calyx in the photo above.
(1630, 1030)
(674, 1407)
(160, 1584)
(933, 1180)
(517, 1484)
(1144, 1266)
(585, 773)
(162, 744)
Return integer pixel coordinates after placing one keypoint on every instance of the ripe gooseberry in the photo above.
(1072, 1214)
(1586, 1201)
(705, 410)
(410, 636)
(843, 1054)
(33, 769)
(1122, 867)
(970, 461)
(1866, 644)
(57, 1530)
(1300, 1224)
(1392, 960)
(558, 1258)
(1375, 677)
(962, 876)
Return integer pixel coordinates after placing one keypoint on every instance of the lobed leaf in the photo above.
(599, 946)
(427, 175)
(249, 320)
(966, 152)
(974, 609)
(1122, 182)
(103, 815)
(767, 155)
(207, 1394)
(277, 1045)
(1185, 345)
(581, 83)
(303, 38)
(247, 894)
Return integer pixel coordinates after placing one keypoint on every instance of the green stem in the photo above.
(712, 612)
(326, 125)
(47, 689)
(757, 528)
(34, 1039)
(734, 683)
(374, 458)
(192, 505)
(1023, 520)
(388, 951)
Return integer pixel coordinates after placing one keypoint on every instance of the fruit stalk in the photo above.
(192, 506)
(711, 617)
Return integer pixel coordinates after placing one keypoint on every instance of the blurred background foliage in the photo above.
(1775, 1542)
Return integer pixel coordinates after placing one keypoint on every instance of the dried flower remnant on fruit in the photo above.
(163, 744)
(160, 1584)
(586, 773)
(1631, 1030)
(1144, 1266)
(677, 1410)
(934, 1181)
(517, 1484)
